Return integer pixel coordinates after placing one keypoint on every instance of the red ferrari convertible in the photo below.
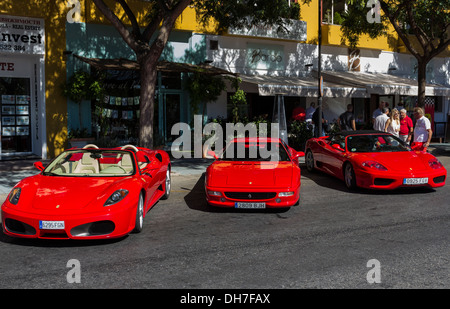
(373, 159)
(88, 193)
(254, 173)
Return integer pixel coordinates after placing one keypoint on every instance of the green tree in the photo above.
(422, 25)
(149, 41)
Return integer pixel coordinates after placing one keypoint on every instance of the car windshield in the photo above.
(255, 151)
(375, 143)
(92, 162)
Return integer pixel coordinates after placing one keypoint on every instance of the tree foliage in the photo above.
(235, 13)
(422, 25)
(148, 41)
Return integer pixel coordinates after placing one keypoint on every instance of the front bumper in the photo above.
(394, 180)
(230, 200)
(102, 225)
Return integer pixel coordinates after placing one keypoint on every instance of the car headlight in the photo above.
(435, 163)
(15, 195)
(215, 193)
(375, 165)
(284, 194)
(116, 197)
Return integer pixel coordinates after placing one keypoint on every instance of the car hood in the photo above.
(66, 193)
(251, 174)
(399, 161)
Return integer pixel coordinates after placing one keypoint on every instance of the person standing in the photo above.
(310, 111)
(378, 111)
(346, 120)
(406, 127)
(380, 122)
(393, 123)
(422, 131)
(315, 121)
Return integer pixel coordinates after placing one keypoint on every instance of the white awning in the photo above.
(342, 84)
(385, 84)
(302, 87)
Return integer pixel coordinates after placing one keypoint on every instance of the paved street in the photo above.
(326, 242)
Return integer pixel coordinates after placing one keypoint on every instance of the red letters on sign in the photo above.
(6, 66)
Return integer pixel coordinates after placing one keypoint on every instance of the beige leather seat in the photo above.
(87, 165)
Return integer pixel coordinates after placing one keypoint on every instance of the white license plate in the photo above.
(51, 225)
(250, 205)
(415, 181)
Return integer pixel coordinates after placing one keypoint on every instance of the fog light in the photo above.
(216, 193)
(222, 199)
(278, 200)
(283, 194)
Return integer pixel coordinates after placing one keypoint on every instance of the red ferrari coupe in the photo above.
(88, 193)
(373, 159)
(254, 173)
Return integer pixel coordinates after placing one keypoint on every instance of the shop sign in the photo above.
(265, 56)
(293, 30)
(22, 35)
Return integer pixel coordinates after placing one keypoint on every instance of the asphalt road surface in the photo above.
(334, 239)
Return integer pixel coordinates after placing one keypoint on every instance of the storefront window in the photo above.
(117, 115)
(15, 115)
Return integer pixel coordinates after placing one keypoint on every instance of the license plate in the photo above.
(51, 225)
(250, 205)
(415, 181)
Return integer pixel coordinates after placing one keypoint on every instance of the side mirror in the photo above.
(338, 147)
(212, 154)
(299, 154)
(39, 165)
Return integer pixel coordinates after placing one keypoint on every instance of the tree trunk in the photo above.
(422, 82)
(149, 76)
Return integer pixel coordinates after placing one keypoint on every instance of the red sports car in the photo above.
(88, 193)
(254, 173)
(373, 159)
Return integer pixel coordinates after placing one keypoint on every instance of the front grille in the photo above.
(250, 195)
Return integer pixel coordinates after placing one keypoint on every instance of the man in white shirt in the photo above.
(422, 131)
(380, 121)
(378, 111)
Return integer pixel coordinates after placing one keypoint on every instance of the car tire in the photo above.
(139, 223)
(309, 160)
(349, 177)
(167, 185)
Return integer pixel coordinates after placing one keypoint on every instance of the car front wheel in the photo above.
(309, 160)
(139, 215)
(349, 177)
